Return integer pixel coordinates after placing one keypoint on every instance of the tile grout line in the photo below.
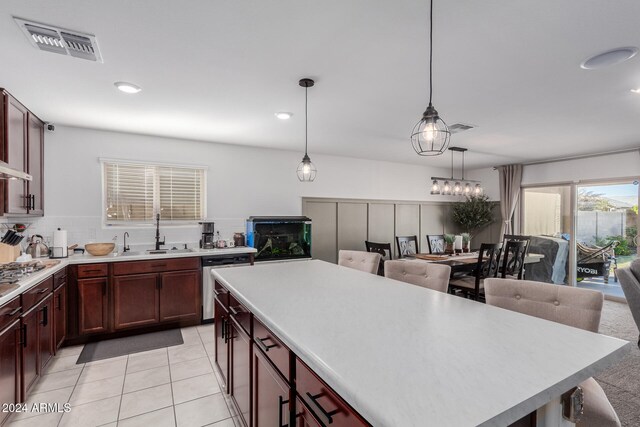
(74, 389)
(173, 400)
(124, 381)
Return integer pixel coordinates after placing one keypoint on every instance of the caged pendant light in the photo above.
(430, 136)
(306, 169)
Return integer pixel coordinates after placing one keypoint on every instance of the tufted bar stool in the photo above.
(358, 260)
(580, 308)
(420, 273)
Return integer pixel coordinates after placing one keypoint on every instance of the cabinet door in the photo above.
(9, 366)
(241, 371)
(270, 394)
(45, 332)
(35, 165)
(15, 148)
(136, 300)
(180, 295)
(221, 323)
(30, 349)
(60, 315)
(92, 306)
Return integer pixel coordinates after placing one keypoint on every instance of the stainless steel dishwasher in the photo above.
(208, 264)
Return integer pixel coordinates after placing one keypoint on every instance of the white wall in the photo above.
(242, 181)
(621, 165)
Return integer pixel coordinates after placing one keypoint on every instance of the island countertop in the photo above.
(402, 355)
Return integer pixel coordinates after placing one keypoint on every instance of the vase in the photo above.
(448, 249)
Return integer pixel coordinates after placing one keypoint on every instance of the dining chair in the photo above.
(517, 238)
(580, 308)
(359, 260)
(436, 243)
(407, 245)
(513, 258)
(486, 267)
(419, 273)
(385, 251)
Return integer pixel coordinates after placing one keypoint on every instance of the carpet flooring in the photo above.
(621, 382)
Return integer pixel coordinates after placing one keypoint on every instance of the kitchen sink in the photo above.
(154, 252)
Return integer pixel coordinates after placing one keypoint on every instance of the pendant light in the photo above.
(460, 186)
(430, 136)
(306, 169)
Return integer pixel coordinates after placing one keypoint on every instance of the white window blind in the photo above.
(136, 192)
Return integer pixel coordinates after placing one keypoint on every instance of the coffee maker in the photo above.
(207, 240)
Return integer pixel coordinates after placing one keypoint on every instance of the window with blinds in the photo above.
(135, 192)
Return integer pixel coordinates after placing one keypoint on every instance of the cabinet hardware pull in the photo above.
(13, 312)
(226, 329)
(45, 315)
(93, 271)
(41, 291)
(236, 310)
(319, 411)
(24, 338)
(104, 288)
(281, 402)
(33, 202)
(27, 199)
(158, 265)
(217, 292)
(263, 346)
(59, 306)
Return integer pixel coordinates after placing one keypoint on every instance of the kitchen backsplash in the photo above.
(87, 229)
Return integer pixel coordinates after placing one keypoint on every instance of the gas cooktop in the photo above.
(12, 272)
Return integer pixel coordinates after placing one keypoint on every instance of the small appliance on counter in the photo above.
(37, 248)
(207, 241)
(59, 245)
(279, 237)
(238, 239)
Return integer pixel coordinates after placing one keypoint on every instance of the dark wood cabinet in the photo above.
(23, 149)
(92, 312)
(270, 393)
(304, 417)
(240, 370)
(221, 325)
(35, 166)
(10, 347)
(136, 300)
(45, 332)
(180, 297)
(30, 349)
(16, 117)
(60, 315)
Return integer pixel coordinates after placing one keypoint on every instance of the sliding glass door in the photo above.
(606, 234)
(546, 216)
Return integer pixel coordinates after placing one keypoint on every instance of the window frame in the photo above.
(106, 223)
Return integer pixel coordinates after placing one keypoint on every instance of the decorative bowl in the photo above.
(99, 249)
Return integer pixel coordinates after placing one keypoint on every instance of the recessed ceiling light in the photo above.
(283, 115)
(636, 90)
(127, 87)
(608, 58)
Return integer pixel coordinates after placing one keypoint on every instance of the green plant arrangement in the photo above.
(466, 238)
(474, 213)
(449, 239)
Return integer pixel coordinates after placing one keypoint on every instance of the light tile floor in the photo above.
(173, 386)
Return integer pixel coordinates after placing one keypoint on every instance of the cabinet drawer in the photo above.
(59, 278)
(92, 270)
(325, 405)
(10, 312)
(240, 313)
(221, 294)
(37, 294)
(273, 348)
(159, 265)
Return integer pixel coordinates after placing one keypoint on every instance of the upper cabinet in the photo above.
(23, 149)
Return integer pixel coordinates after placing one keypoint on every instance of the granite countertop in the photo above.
(403, 355)
(8, 293)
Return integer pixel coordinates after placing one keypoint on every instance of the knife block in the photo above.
(9, 253)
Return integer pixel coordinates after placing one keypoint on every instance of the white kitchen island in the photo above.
(402, 355)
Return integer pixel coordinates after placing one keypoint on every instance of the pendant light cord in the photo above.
(431, 52)
(306, 120)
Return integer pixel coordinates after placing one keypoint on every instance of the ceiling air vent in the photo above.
(57, 40)
(460, 127)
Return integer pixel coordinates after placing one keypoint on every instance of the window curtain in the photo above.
(510, 181)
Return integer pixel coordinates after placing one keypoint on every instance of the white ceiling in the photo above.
(219, 70)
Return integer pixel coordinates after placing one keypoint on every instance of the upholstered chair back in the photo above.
(359, 260)
(420, 273)
(580, 308)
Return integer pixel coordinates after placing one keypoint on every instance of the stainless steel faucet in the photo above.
(126, 247)
(158, 242)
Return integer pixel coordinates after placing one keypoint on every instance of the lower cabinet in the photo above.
(270, 393)
(240, 370)
(92, 306)
(135, 300)
(37, 344)
(10, 342)
(221, 325)
(304, 417)
(60, 315)
(179, 295)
